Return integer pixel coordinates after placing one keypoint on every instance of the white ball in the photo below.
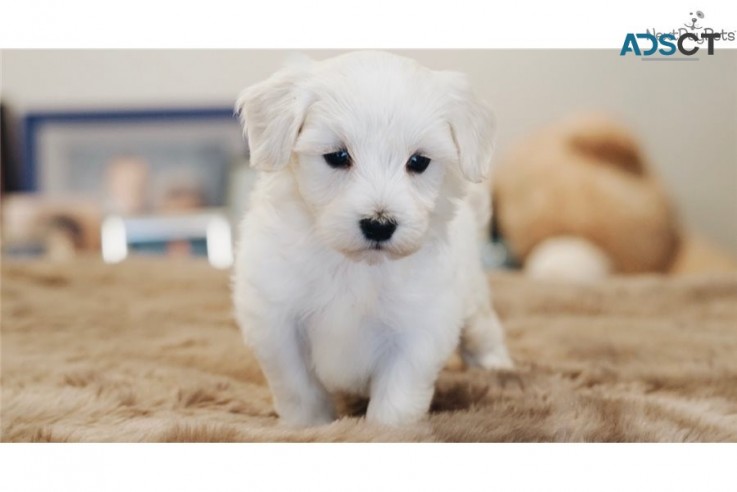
(568, 258)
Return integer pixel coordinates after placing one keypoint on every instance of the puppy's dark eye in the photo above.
(338, 160)
(418, 163)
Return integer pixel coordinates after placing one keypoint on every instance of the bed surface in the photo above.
(147, 350)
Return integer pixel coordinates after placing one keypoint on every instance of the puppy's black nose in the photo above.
(377, 230)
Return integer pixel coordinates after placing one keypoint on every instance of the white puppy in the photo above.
(358, 261)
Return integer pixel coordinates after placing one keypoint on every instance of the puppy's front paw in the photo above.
(300, 419)
(306, 412)
(491, 360)
(403, 403)
(393, 417)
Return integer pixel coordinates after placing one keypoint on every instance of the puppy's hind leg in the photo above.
(482, 341)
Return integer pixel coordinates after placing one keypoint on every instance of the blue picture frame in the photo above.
(33, 122)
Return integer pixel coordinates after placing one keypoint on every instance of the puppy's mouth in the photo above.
(376, 252)
(387, 249)
(373, 255)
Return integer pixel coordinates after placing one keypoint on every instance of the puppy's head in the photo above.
(379, 146)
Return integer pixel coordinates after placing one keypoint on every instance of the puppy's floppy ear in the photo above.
(472, 125)
(272, 113)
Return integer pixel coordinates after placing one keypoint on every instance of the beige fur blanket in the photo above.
(148, 351)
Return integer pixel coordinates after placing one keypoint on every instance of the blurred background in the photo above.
(126, 152)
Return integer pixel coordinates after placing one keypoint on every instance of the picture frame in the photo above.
(133, 162)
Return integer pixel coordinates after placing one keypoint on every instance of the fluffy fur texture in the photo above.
(149, 351)
(327, 309)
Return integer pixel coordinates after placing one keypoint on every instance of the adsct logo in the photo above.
(685, 40)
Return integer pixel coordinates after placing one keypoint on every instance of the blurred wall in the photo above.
(685, 112)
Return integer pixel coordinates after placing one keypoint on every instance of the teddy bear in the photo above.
(578, 201)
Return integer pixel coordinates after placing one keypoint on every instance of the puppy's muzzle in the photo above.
(377, 230)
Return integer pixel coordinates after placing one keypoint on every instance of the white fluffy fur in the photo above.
(323, 310)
